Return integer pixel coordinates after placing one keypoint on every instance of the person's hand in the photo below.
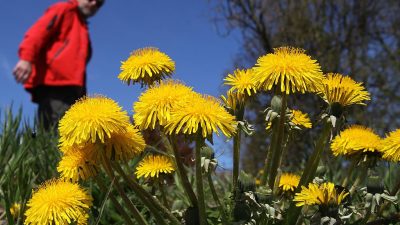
(22, 71)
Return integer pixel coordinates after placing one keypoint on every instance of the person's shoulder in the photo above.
(63, 6)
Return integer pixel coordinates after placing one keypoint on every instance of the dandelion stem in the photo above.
(236, 148)
(183, 175)
(312, 163)
(114, 201)
(362, 175)
(278, 145)
(199, 179)
(396, 188)
(350, 172)
(267, 165)
(163, 195)
(216, 199)
(152, 203)
(136, 214)
(309, 170)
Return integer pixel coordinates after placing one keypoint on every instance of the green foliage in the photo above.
(28, 157)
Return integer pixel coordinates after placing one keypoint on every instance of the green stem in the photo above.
(236, 148)
(396, 188)
(152, 203)
(279, 171)
(224, 218)
(350, 172)
(312, 163)
(362, 176)
(277, 149)
(163, 195)
(136, 214)
(199, 180)
(267, 165)
(114, 201)
(183, 175)
(309, 171)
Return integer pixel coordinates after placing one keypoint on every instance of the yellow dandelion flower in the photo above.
(146, 66)
(92, 119)
(289, 70)
(242, 82)
(15, 209)
(232, 100)
(203, 114)
(391, 146)
(78, 162)
(155, 104)
(289, 181)
(355, 139)
(301, 119)
(124, 145)
(58, 202)
(323, 194)
(153, 165)
(337, 88)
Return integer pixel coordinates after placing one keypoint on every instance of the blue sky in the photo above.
(180, 28)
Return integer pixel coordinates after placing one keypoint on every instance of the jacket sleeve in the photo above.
(41, 32)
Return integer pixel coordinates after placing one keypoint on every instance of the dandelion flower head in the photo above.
(341, 89)
(232, 100)
(79, 163)
(155, 104)
(154, 165)
(124, 145)
(92, 119)
(355, 139)
(58, 202)
(242, 82)
(15, 209)
(289, 181)
(324, 194)
(391, 146)
(289, 70)
(204, 114)
(146, 66)
(301, 119)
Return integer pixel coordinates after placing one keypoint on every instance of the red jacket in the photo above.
(58, 45)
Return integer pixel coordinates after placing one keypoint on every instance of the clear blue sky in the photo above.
(180, 28)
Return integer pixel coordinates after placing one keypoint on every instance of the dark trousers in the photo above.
(53, 102)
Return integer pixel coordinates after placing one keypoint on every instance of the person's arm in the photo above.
(35, 39)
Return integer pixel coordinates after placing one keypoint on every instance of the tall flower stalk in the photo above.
(152, 203)
(310, 169)
(243, 86)
(199, 180)
(182, 173)
(287, 70)
(338, 91)
(135, 212)
(277, 146)
(201, 119)
(236, 148)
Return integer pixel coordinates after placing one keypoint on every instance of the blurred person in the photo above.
(53, 57)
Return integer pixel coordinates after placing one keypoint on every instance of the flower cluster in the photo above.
(96, 132)
(95, 127)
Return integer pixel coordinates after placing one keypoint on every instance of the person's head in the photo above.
(88, 8)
